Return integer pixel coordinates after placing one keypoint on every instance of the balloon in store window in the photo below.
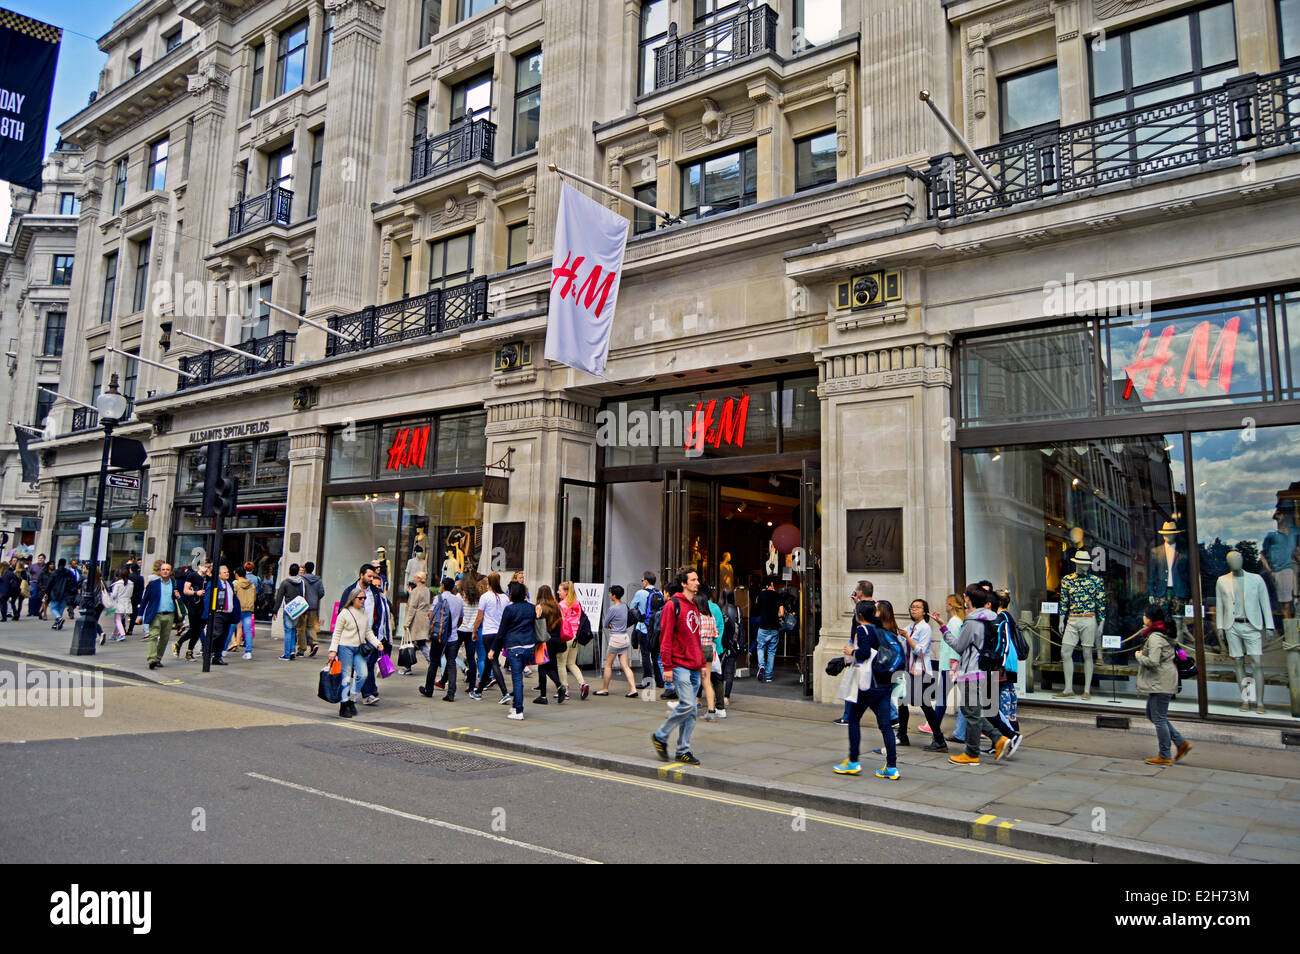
(785, 537)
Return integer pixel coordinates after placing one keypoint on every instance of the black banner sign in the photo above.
(29, 50)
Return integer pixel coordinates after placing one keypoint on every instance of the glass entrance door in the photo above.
(579, 546)
(689, 525)
(808, 567)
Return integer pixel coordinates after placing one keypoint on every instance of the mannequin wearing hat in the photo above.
(1244, 621)
(381, 563)
(1275, 553)
(1170, 576)
(1083, 610)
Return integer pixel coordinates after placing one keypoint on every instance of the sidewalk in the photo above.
(1072, 790)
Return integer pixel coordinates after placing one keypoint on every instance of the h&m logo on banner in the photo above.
(29, 51)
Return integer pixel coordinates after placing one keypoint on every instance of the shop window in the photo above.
(72, 493)
(272, 463)
(1164, 60)
(356, 525)
(1029, 101)
(427, 23)
(1042, 374)
(740, 420)
(352, 452)
(802, 423)
(406, 448)
(528, 100)
(472, 99)
(462, 443)
(1287, 308)
(654, 31)
(720, 184)
(1247, 513)
(442, 533)
(816, 22)
(814, 160)
(1064, 509)
(643, 221)
(517, 245)
(1288, 19)
(626, 440)
(291, 62)
(62, 272)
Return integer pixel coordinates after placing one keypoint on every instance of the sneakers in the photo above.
(760, 673)
(369, 700)
(517, 716)
(285, 658)
(661, 748)
(926, 729)
(1182, 750)
(847, 768)
(1157, 760)
(564, 697)
(686, 758)
(956, 741)
(711, 716)
(1013, 746)
(541, 701)
(248, 655)
(840, 721)
(585, 691)
(964, 759)
(476, 695)
(938, 745)
(427, 693)
(887, 771)
(506, 700)
(1001, 747)
(722, 713)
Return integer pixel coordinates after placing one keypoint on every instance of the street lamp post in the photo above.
(112, 408)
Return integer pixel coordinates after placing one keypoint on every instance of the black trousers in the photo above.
(193, 626)
(217, 631)
(12, 604)
(649, 662)
(438, 654)
(550, 668)
(471, 656)
(493, 667)
(728, 674)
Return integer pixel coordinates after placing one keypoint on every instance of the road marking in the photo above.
(679, 789)
(437, 823)
(672, 771)
(981, 827)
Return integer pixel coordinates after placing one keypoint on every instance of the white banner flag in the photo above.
(585, 273)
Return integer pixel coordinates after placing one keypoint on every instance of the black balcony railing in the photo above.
(420, 316)
(750, 32)
(219, 365)
(465, 143)
(87, 418)
(273, 206)
(1247, 114)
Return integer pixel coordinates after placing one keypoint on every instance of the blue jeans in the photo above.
(247, 620)
(354, 670)
(767, 649)
(518, 657)
(290, 635)
(1158, 713)
(878, 701)
(59, 607)
(686, 682)
(959, 730)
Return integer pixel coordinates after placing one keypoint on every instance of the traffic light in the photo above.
(220, 489)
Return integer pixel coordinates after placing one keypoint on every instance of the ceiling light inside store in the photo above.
(997, 454)
(769, 523)
(1075, 482)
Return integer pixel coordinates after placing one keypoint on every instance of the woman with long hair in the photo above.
(549, 612)
(921, 682)
(571, 613)
(120, 597)
(863, 693)
(467, 590)
(885, 620)
(491, 605)
(949, 663)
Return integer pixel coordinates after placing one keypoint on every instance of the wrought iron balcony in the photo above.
(272, 207)
(749, 32)
(219, 365)
(1246, 115)
(420, 316)
(465, 143)
(87, 418)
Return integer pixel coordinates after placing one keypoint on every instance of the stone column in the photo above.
(344, 230)
(303, 509)
(164, 467)
(1257, 40)
(1072, 67)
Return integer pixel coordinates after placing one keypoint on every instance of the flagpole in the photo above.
(958, 138)
(307, 321)
(217, 344)
(156, 364)
(68, 399)
(34, 430)
(668, 217)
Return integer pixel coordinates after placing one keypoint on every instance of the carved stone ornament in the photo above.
(451, 210)
(715, 123)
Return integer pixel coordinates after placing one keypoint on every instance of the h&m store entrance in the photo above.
(724, 480)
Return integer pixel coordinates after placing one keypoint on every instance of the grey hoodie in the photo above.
(313, 592)
(968, 642)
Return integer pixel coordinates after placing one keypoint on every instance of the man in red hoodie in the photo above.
(681, 655)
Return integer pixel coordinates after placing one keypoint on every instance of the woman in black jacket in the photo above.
(10, 589)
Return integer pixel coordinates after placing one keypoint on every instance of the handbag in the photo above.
(540, 632)
(406, 655)
(540, 655)
(295, 607)
(331, 684)
(836, 666)
(385, 666)
(789, 623)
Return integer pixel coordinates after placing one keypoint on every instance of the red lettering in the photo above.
(732, 427)
(593, 286)
(417, 448)
(569, 274)
(698, 429)
(398, 449)
(1151, 365)
(1224, 352)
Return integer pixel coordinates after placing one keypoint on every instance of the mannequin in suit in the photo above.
(1245, 621)
(1169, 577)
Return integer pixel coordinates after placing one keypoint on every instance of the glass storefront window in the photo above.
(355, 526)
(405, 448)
(623, 430)
(241, 462)
(1030, 509)
(1193, 356)
(1247, 495)
(462, 442)
(1025, 375)
(447, 525)
(723, 422)
(352, 452)
(272, 463)
(71, 493)
(803, 432)
(1288, 311)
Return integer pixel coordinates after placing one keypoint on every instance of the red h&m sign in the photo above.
(409, 448)
(709, 426)
(1198, 360)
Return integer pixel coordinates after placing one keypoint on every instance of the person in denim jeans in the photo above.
(682, 655)
(516, 637)
(770, 611)
(351, 630)
(1158, 678)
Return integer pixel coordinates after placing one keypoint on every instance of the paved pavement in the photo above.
(1073, 790)
(143, 781)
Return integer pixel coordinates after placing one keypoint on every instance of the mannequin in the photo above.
(1275, 553)
(416, 563)
(1244, 622)
(773, 561)
(1169, 580)
(1070, 547)
(1083, 610)
(381, 562)
(450, 566)
(726, 574)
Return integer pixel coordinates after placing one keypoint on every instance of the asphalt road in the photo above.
(164, 775)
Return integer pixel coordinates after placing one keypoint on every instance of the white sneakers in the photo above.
(722, 713)
(248, 655)
(517, 716)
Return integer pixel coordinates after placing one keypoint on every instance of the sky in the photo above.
(79, 59)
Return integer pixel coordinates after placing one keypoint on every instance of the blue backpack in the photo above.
(890, 655)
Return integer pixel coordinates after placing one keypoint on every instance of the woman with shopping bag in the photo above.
(351, 629)
(415, 635)
(552, 617)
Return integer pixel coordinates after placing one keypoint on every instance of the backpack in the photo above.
(1185, 663)
(890, 656)
(441, 615)
(731, 631)
(1017, 638)
(584, 634)
(993, 649)
(654, 616)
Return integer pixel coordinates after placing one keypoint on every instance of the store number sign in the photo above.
(409, 448)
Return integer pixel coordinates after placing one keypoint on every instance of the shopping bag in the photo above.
(336, 667)
(406, 655)
(295, 607)
(386, 667)
(331, 684)
(540, 656)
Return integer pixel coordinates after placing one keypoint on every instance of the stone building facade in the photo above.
(871, 318)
